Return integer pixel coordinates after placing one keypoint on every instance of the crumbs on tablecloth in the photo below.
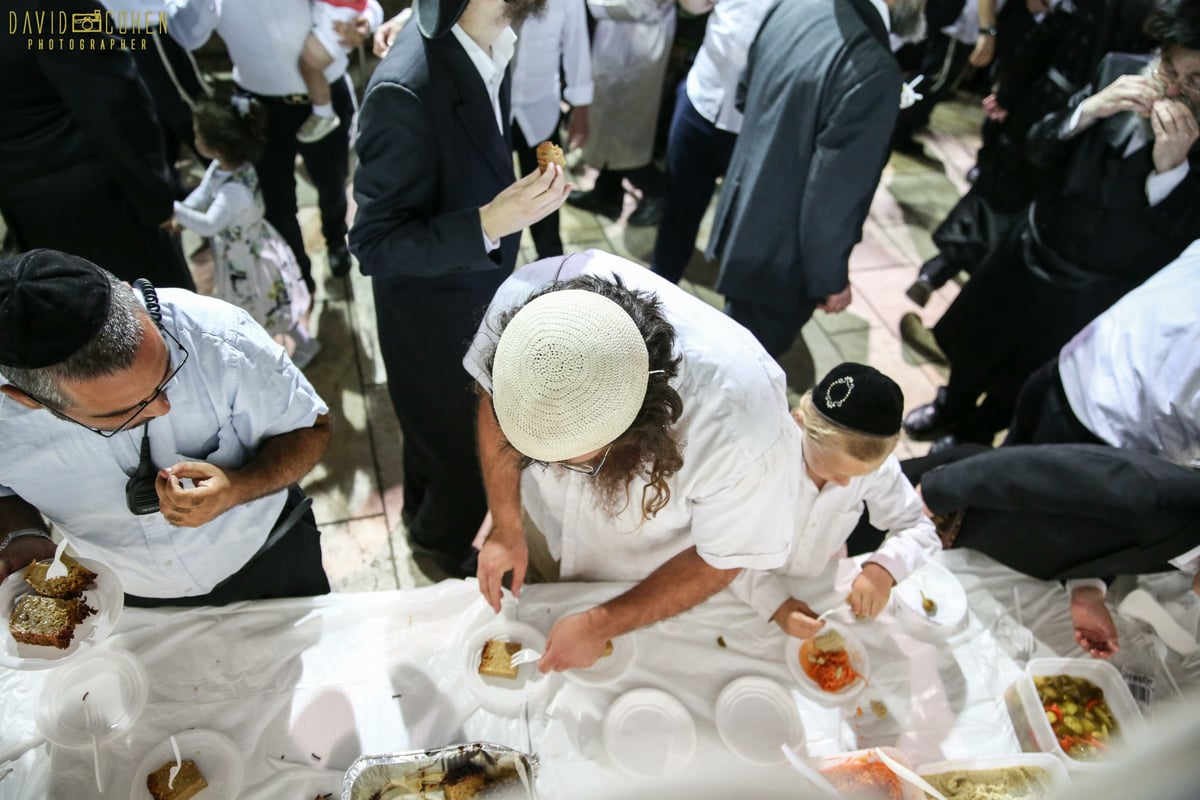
(721, 642)
(85, 694)
(314, 755)
(397, 696)
(879, 708)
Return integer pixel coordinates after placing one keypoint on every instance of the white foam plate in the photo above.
(110, 680)
(501, 695)
(756, 715)
(649, 733)
(858, 660)
(940, 586)
(107, 597)
(216, 757)
(610, 669)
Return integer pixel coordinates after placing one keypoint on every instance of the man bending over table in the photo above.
(161, 432)
(646, 435)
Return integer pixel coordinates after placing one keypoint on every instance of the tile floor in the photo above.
(357, 487)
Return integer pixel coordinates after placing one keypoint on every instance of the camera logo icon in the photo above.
(91, 22)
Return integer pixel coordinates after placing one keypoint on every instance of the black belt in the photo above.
(1050, 267)
(287, 520)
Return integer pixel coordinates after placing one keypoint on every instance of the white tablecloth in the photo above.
(303, 687)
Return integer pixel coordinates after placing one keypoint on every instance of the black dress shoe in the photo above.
(920, 291)
(607, 205)
(944, 443)
(648, 213)
(339, 261)
(930, 421)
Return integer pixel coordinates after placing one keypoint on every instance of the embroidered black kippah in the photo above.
(51, 305)
(860, 398)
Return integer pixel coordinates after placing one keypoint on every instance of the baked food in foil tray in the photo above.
(459, 772)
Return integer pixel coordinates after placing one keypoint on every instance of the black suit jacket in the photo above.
(430, 155)
(1071, 511)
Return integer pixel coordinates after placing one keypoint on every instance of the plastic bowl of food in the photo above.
(831, 667)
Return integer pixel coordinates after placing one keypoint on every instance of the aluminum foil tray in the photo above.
(490, 771)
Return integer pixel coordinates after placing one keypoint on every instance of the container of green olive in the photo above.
(1078, 709)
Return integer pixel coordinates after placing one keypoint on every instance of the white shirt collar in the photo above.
(491, 67)
(882, 8)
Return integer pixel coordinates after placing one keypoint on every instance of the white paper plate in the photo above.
(501, 695)
(216, 757)
(610, 669)
(648, 733)
(858, 660)
(755, 716)
(107, 597)
(110, 680)
(940, 586)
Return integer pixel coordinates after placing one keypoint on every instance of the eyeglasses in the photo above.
(137, 410)
(582, 469)
(1167, 74)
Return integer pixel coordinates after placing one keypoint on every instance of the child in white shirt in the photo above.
(253, 266)
(851, 424)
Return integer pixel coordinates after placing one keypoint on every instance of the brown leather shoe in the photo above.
(947, 526)
(920, 338)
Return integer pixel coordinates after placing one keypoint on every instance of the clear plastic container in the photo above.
(909, 792)
(1029, 717)
(1052, 766)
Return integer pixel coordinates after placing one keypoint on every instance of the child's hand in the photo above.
(171, 226)
(870, 591)
(797, 619)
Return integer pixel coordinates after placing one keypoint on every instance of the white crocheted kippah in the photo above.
(570, 375)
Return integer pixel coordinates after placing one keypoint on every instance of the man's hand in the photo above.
(993, 110)
(212, 494)
(386, 33)
(797, 619)
(21, 551)
(984, 52)
(577, 127)
(353, 33)
(837, 302)
(503, 551)
(574, 642)
(525, 202)
(1094, 627)
(1126, 93)
(870, 591)
(1196, 584)
(1175, 131)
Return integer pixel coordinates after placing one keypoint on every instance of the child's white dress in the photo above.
(254, 267)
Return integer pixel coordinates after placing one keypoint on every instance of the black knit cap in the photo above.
(51, 305)
(860, 398)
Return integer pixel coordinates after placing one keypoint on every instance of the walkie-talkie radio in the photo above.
(140, 495)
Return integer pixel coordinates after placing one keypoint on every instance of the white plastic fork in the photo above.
(92, 719)
(178, 764)
(524, 656)
(57, 568)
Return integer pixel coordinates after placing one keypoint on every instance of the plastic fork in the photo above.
(95, 723)
(905, 774)
(178, 764)
(57, 568)
(524, 656)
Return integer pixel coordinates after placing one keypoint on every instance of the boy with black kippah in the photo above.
(851, 424)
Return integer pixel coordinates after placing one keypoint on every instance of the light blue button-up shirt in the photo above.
(237, 389)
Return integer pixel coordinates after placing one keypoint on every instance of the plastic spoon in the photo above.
(905, 774)
(57, 568)
(810, 772)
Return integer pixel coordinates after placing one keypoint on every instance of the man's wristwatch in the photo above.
(990, 30)
(23, 532)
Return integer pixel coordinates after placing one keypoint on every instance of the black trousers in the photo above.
(546, 238)
(423, 335)
(327, 163)
(942, 64)
(1044, 414)
(81, 210)
(776, 330)
(290, 568)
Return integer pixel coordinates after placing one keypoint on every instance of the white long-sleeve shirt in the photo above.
(558, 37)
(825, 518)
(712, 80)
(264, 38)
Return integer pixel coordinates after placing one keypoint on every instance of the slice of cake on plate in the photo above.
(496, 660)
(188, 783)
(73, 584)
(46, 621)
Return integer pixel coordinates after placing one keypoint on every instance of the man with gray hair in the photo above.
(161, 411)
(646, 436)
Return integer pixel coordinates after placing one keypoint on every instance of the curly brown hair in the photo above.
(237, 137)
(650, 445)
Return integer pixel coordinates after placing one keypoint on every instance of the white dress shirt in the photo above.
(237, 389)
(712, 81)
(558, 37)
(1132, 376)
(733, 496)
(264, 38)
(825, 518)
